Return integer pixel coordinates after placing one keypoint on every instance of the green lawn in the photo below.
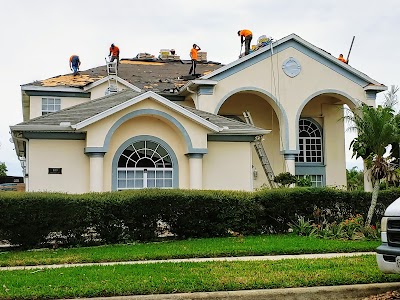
(214, 247)
(96, 281)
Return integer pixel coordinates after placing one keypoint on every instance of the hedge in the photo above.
(36, 219)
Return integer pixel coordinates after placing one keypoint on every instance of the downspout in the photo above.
(26, 169)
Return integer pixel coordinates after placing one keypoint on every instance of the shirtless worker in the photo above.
(245, 36)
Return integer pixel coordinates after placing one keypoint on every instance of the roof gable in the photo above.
(303, 46)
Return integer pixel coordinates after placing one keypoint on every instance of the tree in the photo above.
(285, 179)
(355, 179)
(376, 128)
(3, 169)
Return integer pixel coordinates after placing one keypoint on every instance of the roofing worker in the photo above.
(194, 56)
(74, 63)
(114, 54)
(245, 36)
(341, 58)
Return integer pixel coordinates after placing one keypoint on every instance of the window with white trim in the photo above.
(144, 164)
(50, 105)
(310, 142)
(316, 180)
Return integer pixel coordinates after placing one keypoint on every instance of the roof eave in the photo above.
(50, 88)
(56, 128)
(378, 88)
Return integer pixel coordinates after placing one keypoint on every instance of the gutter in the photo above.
(24, 162)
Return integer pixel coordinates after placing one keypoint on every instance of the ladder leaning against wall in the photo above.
(112, 76)
(262, 155)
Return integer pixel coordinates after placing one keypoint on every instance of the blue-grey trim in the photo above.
(230, 138)
(54, 135)
(288, 152)
(138, 138)
(282, 111)
(89, 150)
(309, 98)
(206, 90)
(290, 156)
(309, 169)
(95, 154)
(198, 151)
(58, 94)
(195, 155)
(142, 112)
(371, 95)
(301, 48)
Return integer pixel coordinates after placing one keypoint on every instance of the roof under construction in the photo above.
(155, 75)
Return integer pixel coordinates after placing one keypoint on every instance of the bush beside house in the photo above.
(35, 219)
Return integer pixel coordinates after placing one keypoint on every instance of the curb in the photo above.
(350, 292)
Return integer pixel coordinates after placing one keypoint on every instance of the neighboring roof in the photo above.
(157, 76)
(81, 115)
(279, 44)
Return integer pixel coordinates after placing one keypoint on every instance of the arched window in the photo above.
(144, 164)
(310, 142)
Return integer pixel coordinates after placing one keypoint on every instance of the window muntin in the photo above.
(316, 180)
(50, 105)
(144, 164)
(310, 142)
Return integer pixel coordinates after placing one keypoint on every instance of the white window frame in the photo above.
(158, 176)
(308, 145)
(50, 105)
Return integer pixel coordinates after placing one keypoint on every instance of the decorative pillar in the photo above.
(96, 171)
(290, 163)
(195, 170)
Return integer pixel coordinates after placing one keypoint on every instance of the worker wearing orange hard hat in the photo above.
(342, 59)
(245, 36)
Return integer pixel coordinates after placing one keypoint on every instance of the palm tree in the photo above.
(376, 128)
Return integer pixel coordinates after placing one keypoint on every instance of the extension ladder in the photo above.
(112, 76)
(262, 155)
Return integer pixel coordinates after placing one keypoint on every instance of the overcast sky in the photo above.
(38, 37)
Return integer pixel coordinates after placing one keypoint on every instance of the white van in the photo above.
(388, 254)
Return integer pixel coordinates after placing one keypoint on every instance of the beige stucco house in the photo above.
(172, 133)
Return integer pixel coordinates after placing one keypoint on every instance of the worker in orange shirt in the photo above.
(194, 56)
(245, 36)
(341, 58)
(74, 63)
(114, 54)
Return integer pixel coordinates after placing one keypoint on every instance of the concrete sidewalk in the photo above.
(240, 258)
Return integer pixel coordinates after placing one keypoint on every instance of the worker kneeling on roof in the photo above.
(245, 36)
(342, 59)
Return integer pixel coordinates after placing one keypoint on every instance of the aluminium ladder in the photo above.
(262, 155)
(112, 76)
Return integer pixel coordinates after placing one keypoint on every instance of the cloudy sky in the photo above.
(38, 37)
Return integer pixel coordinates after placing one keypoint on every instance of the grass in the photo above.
(213, 247)
(97, 281)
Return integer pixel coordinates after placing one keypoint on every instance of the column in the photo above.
(96, 171)
(195, 170)
(290, 163)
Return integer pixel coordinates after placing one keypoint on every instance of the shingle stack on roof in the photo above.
(201, 56)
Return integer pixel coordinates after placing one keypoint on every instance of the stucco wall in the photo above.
(227, 166)
(97, 131)
(147, 125)
(264, 117)
(68, 155)
(100, 90)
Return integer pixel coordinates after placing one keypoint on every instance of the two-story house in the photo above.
(161, 131)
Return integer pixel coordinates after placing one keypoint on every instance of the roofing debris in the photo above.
(70, 80)
(147, 74)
